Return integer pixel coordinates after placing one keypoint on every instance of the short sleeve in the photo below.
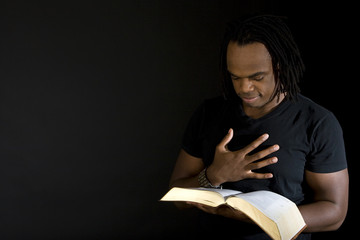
(191, 141)
(327, 147)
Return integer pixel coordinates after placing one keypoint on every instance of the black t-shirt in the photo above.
(310, 138)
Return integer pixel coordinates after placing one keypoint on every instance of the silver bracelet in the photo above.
(204, 181)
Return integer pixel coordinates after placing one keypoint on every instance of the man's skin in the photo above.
(253, 79)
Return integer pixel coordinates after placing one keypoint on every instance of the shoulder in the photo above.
(214, 101)
(208, 108)
(209, 111)
(327, 149)
(312, 107)
(214, 105)
(315, 111)
(320, 119)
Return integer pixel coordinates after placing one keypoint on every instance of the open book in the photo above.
(278, 216)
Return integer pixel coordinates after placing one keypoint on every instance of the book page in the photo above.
(271, 204)
(283, 213)
(268, 225)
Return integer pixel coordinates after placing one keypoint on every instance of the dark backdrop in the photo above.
(95, 95)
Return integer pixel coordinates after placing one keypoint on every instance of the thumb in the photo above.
(225, 141)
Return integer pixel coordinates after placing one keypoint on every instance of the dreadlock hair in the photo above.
(271, 31)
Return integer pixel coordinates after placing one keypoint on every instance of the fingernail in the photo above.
(276, 147)
(274, 160)
(265, 136)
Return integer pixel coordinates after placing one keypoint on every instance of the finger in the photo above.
(260, 175)
(255, 143)
(263, 163)
(225, 211)
(230, 212)
(205, 208)
(223, 144)
(263, 153)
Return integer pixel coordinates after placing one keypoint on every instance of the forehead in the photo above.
(247, 59)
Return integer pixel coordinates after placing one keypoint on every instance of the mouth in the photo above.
(249, 99)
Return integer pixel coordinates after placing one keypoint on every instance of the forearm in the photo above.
(185, 182)
(322, 216)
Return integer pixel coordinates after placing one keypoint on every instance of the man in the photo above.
(264, 135)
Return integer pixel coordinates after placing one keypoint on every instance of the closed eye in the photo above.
(233, 77)
(258, 78)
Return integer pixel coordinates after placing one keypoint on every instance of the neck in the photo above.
(258, 112)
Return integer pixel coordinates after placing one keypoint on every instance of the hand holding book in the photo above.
(223, 210)
(278, 216)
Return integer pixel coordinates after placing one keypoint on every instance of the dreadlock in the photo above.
(271, 31)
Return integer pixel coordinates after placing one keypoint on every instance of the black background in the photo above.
(95, 96)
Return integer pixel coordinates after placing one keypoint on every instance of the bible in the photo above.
(275, 214)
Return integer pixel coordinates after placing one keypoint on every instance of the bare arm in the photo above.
(186, 171)
(329, 207)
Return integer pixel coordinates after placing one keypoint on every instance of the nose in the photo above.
(244, 85)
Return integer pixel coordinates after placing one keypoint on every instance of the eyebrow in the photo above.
(250, 76)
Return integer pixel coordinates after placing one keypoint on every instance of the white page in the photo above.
(269, 203)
